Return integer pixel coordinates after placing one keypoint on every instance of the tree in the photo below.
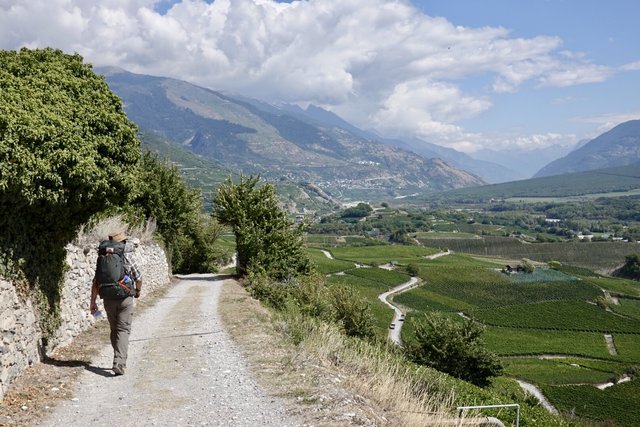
(266, 240)
(67, 151)
(631, 267)
(196, 250)
(67, 148)
(454, 347)
(177, 209)
(352, 312)
(413, 269)
(361, 210)
(528, 266)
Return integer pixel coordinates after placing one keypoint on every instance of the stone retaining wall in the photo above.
(20, 334)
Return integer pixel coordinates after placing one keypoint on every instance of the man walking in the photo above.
(117, 281)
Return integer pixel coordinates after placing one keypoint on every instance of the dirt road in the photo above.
(394, 334)
(183, 370)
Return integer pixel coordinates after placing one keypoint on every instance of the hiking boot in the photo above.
(118, 369)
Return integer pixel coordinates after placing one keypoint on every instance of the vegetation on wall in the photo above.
(69, 156)
(67, 152)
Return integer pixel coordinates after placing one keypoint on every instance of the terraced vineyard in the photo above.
(382, 254)
(549, 313)
(592, 255)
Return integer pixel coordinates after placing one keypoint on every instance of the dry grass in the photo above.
(89, 236)
(329, 379)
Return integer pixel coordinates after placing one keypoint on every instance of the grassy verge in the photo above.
(342, 381)
(330, 379)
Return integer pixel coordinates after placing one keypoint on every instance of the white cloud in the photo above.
(573, 74)
(369, 60)
(633, 66)
(607, 122)
(427, 109)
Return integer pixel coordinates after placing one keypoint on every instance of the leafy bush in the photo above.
(631, 267)
(271, 293)
(309, 297)
(359, 211)
(188, 235)
(67, 151)
(453, 347)
(413, 269)
(352, 312)
(528, 266)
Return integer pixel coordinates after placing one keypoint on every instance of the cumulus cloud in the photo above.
(426, 108)
(376, 62)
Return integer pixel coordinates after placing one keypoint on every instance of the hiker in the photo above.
(117, 281)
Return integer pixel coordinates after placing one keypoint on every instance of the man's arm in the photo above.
(138, 288)
(134, 272)
(93, 305)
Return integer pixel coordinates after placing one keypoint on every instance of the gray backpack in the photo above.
(110, 271)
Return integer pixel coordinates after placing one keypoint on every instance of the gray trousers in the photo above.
(120, 316)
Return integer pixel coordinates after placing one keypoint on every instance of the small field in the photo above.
(382, 254)
(619, 403)
(596, 256)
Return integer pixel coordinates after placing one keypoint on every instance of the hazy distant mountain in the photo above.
(489, 171)
(618, 147)
(257, 137)
(612, 182)
(525, 161)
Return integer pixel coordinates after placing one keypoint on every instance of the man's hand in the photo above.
(93, 307)
(138, 288)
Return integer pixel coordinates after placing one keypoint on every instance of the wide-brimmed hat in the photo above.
(119, 236)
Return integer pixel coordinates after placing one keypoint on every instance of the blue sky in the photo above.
(604, 32)
(471, 75)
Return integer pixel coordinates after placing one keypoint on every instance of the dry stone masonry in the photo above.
(20, 334)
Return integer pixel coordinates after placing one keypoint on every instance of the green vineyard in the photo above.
(548, 326)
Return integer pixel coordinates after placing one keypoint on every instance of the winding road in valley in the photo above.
(395, 328)
(396, 323)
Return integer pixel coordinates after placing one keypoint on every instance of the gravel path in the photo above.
(183, 370)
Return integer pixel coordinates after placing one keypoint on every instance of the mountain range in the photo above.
(320, 150)
(618, 147)
(253, 137)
